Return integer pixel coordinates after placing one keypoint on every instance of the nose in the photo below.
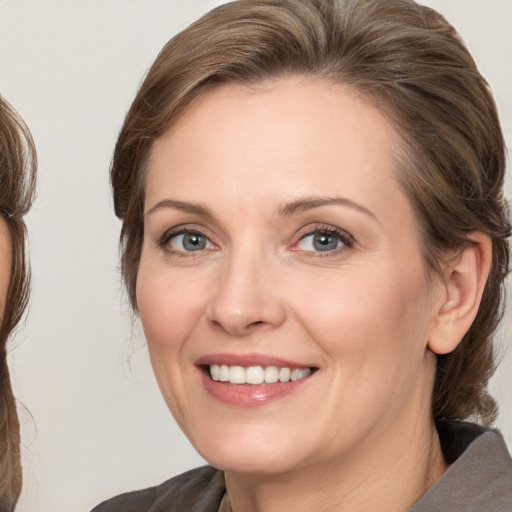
(247, 297)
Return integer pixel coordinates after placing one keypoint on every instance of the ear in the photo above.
(462, 289)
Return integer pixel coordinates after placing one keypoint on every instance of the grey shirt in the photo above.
(479, 479)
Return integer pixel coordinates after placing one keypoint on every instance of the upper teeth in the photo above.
(256, 374)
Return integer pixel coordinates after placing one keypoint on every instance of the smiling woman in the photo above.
(330, 294)
(315, 238)
(17, 183)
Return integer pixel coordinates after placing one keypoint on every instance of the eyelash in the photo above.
(328, 230)
(321, 229)
(174, 232)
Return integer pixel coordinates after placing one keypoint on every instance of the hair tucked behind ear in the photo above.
(408, 61)
(17, 186)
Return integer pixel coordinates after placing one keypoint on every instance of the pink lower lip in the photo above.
(249, 395)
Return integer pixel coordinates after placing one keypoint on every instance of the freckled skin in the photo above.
(361, 314)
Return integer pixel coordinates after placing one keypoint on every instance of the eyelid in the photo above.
(183, 229)
(346, 238)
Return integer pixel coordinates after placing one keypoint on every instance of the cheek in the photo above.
(367, 313)
(373, 330)
(169, 307)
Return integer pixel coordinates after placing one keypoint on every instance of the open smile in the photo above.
(256, 375)
(251, 381)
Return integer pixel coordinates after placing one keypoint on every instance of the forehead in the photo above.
(246, 134)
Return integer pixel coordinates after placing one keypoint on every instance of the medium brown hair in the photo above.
(408, 61)
(17, 184)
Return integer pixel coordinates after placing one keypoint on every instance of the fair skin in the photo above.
(277, 235)
(5, 262)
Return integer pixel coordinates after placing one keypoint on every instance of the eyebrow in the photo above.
(298, 206)
(183, 206)
(308, 203)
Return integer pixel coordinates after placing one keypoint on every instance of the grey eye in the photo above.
(189, 242)
(321, 242)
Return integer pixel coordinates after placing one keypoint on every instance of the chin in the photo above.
(246, 453)
(251, 463)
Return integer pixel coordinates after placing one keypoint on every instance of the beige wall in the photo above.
(97, 425)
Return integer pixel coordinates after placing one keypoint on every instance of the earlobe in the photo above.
(463, 286)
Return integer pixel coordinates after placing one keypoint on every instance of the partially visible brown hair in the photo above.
(17, 185)
(408, 61)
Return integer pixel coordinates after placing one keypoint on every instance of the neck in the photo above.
(392, 476)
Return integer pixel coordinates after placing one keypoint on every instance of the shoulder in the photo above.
(200, 489)
(480, 475)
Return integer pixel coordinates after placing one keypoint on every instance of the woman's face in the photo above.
(279, 245)
(5, 263)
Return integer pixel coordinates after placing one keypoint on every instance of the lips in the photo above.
(251, 381)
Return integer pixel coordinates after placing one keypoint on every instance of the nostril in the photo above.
(216, 324)
(237, 326)
(256, 325)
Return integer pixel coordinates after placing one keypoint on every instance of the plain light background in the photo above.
(95, 424)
